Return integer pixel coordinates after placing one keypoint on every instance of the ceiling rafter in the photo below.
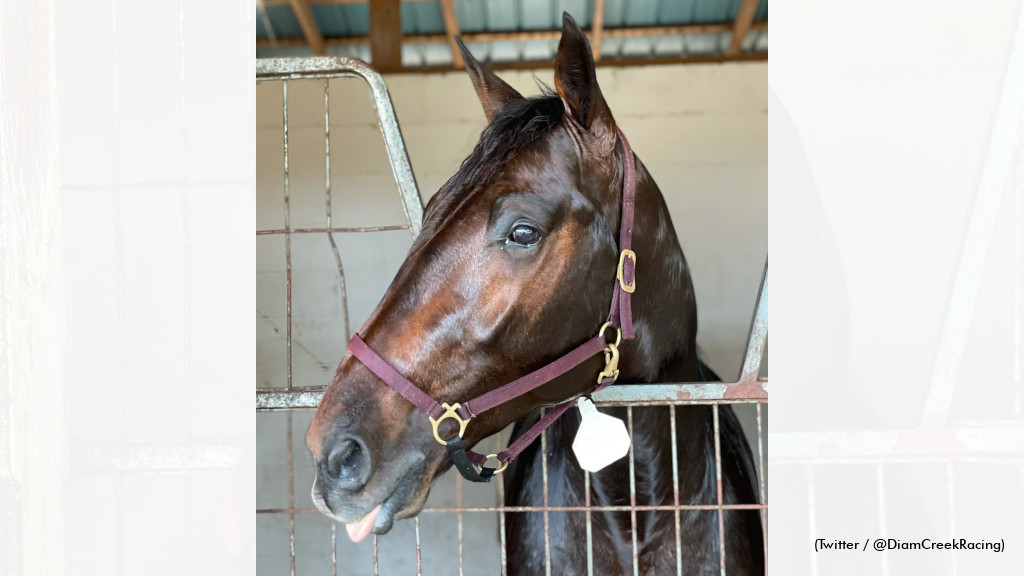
(742, 25)
(451, 30)
(308, 23)
(386, 35)
(598, 30)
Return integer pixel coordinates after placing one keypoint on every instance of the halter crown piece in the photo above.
(620, 318)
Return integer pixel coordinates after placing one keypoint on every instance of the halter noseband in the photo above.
(620, 317)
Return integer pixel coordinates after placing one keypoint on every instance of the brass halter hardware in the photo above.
(450, 411)
(611, 354)
(631, 287)
(501, 468)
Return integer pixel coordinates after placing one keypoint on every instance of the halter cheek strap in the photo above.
(620, 318)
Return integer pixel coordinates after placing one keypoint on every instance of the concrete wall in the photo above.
(702, 131)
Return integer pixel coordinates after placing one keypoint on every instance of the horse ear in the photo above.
(493, 91)
(576, 82)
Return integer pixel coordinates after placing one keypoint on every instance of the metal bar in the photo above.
(335, 230)
(544, 472)
(632, 494)
(764, 500)
(334, 548)
(287, 235)
(718, 483)
(518, 509)
(501, 514)
(336, 67)
(682, 393)
(590, 526)
(757, 335)
(632, 394)
(617, 62)
(419, 549)
(675, 487)
(291, 498)
(343, 285)
(376, 559)
(458, 503)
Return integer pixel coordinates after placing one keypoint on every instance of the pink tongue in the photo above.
(360, 528)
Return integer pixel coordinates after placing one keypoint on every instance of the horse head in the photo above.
(513, 268)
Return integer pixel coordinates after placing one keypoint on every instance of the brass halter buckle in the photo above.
(611, 355)
(631, 287)
(449, 412)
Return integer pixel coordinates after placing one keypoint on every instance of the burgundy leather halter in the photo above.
(620, 318)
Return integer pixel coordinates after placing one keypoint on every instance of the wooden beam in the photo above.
(629, 32)
(742, 25)
(598, 31)
(386, 35)
(451, 30)
(308, 23)
(650, 61)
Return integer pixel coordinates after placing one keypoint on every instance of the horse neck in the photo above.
(664, 350)
(664, 307)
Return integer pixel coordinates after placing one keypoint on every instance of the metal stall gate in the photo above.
(291, 399)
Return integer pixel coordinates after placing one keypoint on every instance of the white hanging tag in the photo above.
(601, 439)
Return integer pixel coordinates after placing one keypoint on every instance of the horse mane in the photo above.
(518, 125)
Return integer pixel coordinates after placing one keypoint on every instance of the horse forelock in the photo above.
(518, 126)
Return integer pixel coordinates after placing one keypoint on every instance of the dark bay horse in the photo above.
(513, 268)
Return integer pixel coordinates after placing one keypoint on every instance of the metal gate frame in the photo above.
(747, 389)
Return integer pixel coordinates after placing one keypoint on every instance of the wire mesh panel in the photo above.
(297, 538)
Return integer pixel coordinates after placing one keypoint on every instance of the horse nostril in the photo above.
(348, 463)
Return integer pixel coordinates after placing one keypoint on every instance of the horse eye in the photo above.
(524, 235)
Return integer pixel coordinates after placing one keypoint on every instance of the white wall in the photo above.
(701, 130)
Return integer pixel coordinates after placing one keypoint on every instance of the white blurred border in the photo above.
(126, 174)
(896, 178)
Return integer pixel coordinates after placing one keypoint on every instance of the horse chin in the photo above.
(405, 501)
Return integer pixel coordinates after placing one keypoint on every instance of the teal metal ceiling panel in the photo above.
(474, 16)
(581, 10)
(677, 11)
(535, 14)
(422, 18)
(283, 21)
(471, 16)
